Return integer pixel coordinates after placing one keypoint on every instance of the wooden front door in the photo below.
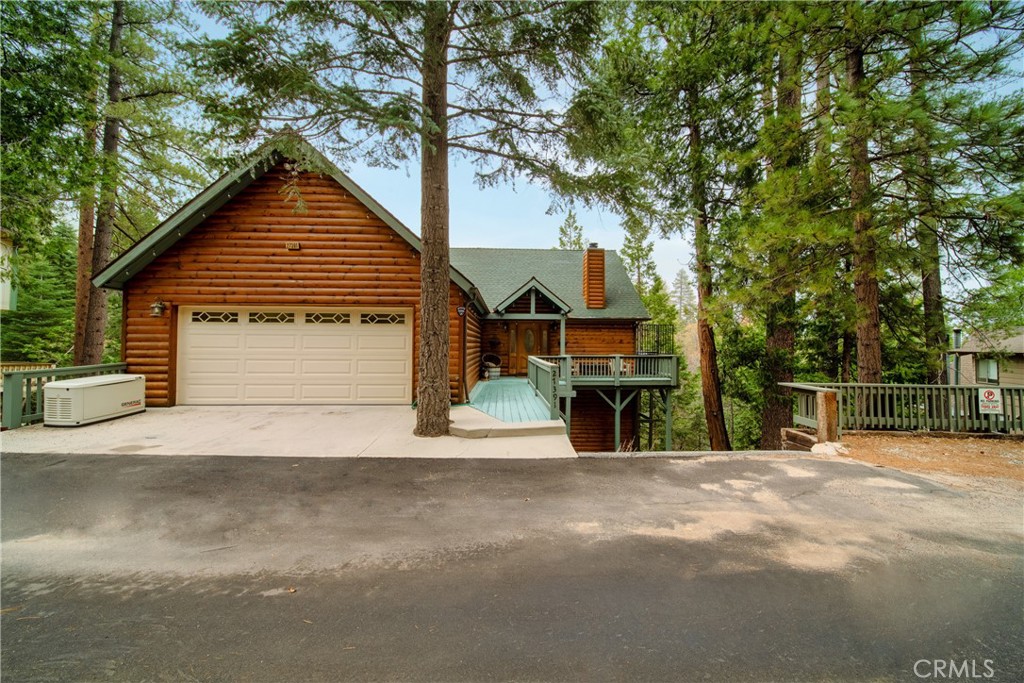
(531, 339)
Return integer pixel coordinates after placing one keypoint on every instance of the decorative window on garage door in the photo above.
(265, 318)
(215, 316)
(328, 318)
(382, 318)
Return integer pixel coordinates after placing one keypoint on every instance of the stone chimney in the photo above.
(593, 276)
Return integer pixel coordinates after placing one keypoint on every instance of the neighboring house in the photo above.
(238, 298)
(8, 295)
(992, 358)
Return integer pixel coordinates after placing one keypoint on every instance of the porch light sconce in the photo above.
(156, 309)
(504, 327)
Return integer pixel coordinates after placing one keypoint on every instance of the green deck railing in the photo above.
(23, 390)
(914, 407)
(543, 377)
(616, 370)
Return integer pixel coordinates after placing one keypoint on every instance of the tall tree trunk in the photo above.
(865, 239)
(935, 339)
(86, 226)
(711, 384)
(823, 116)
(434, 399)
(780, 317)
(846, 369)
(96, 320)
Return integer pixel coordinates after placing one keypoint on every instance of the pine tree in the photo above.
(570, 233)
(662, 119)
(44, 71)
(683, 298)
(42, 329)
(59, 71)
(384, 72)
(638, 254)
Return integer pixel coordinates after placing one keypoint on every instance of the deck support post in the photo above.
(568, 415)
(618, 419)
(618, 404)
(561, 335)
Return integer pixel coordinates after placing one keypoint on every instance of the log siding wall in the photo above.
(457, 365)
(474, 347)
(600, 337)
(348, 257)
(592, 427)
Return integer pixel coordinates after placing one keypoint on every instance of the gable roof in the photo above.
(1011, 342)
(195, 211)
(533, 283)
(499, 273)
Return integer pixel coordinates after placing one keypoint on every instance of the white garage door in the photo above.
(279, 356)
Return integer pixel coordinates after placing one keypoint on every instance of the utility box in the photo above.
(81, 401)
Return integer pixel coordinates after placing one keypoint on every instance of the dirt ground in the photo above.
(970, 456)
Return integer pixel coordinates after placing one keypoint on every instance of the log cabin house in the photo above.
(283, 286)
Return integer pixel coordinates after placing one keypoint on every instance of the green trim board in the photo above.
(528, 316)
(194, 212)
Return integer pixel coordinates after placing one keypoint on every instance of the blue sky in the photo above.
(508, 215)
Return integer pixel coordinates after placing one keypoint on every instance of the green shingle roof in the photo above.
(500, 272)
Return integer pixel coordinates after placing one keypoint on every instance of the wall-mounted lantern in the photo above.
(156, 309)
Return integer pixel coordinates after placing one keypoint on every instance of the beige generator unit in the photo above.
(74, 402)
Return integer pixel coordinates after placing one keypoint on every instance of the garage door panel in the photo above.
(325, 393)
(212, 340)
(331, 343)
(212, 367)
(262, 340)
(326, 367)
(281, 366)
(379, 342)
(293, 360)
(379, 394)
(380, 368)
(277, 392)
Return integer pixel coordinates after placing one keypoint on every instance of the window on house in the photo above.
(988, 371)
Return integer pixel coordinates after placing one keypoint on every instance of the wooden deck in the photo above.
(510, 399)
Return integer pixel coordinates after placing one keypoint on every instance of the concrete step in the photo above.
(470, 423)
(507, 429)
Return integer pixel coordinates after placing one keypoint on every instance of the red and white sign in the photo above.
(990, 401)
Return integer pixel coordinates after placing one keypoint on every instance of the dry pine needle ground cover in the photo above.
(967, 456)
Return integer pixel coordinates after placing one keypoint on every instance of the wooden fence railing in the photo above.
(914, 407)
(817, 407)
(23, 390)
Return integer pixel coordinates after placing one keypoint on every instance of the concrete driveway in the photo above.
(285, 431)
(268, 569)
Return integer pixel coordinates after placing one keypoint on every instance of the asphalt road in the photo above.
(273, 569)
